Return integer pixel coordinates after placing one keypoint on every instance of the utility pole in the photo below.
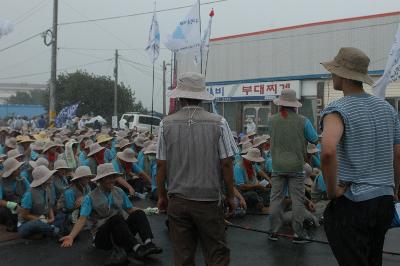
(116, 83)
(164, 88)
(53, 75)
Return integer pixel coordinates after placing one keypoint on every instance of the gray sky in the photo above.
(231, 17)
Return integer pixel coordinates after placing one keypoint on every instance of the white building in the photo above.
(246, 71)
(9, 89)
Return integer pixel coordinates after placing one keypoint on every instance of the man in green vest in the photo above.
(290, 133)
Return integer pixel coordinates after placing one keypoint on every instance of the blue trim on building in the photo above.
(301, 77)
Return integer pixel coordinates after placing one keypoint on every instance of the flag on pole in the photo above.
(392, 69)
(186, 36)
(153, 44)
(65, 114)
(205, 41)
(5, 27)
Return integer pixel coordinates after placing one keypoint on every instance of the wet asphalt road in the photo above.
(247, 248)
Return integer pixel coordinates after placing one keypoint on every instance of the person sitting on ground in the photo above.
(255, 193)
(105, 206)
(134, 176)
(105, 141)
(95, 156)
(70, 202)
(50, 153)
(37, 216)
(12, 188)
(84, 151)
(60, 180)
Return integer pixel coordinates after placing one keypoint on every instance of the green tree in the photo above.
(95, 94)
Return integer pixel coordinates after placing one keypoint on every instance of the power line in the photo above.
(60, 69)
(136, 14)
(30, 12)
(105, 49)
(137, 63)
(143, 71)
(20, 42)
(100, 27)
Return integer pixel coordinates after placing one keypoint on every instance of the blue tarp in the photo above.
(21, 109)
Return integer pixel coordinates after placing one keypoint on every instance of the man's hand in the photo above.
(131, 192)
(230, 203)
(311, 206)
(162, 204)
(67, 241)
(339, 191)
(242, 203)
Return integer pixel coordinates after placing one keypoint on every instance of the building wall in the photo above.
(9, 89)
(7, 110)
(295, 51)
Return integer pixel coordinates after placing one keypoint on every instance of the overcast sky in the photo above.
(231, 17)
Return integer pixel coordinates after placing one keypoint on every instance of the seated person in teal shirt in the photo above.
(134, 178)
(12, 189)
(37, 216)
(111, 231)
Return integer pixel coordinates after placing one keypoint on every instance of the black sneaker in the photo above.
(273, 237)
(153, 249)
(301, 240)
(141, 252)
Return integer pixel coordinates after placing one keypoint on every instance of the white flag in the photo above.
(186, 36)
(5, 27)
(153, 44)
(205, 41)
(392, 69)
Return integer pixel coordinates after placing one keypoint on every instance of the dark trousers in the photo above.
(7, 218)
(190, 221)
(137, 184)
(122, 232)
(356, 230)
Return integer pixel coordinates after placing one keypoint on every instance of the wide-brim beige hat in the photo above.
(11, 143)
(192, 86)
(259, 140)
(49, 145)
(38, 162)
(288, 99)
(123, 143)
(254, 155)
(246, 147)
(10, 166)
(95, 148)
(61, 164)
(81, 172)
(103, 138)
(151, 149)
(128, 155)
(244, 140)
(41, 136)
(104, 170)
(40, 175)
(24, 139)
(350, 63)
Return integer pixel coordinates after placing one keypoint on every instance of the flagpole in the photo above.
(201, 49)
(152, 104)
(208, 50)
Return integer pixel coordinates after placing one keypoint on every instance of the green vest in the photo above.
(288, 143)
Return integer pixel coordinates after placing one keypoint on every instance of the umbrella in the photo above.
(99, 118)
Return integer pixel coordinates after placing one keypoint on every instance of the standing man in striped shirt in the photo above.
(360, 163)
(195, 158)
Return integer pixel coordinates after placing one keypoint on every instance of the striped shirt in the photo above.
(226, 145)
(365, 151)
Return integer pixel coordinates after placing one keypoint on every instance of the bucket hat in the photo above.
(104, 170)
(246, 147)
(350, 63)
(58, 142)
(103, 138)
(61, 164)
(243, 140)
(259, 140)
(10, 166)
(82, 171)
(38, 145)
(254, 155)
(151, 149)
(38, 162)
(88, 143)
(24, 139)
(95, 148)
(139, 141)
(40, 175)
(41, 136)
(11, 143)
(288, 99)
(123, 143)
(14, 154)
(49, 145)
(192, 86)
(128, 155)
